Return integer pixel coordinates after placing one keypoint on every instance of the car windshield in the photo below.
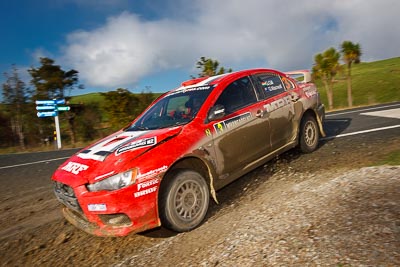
(175, 108)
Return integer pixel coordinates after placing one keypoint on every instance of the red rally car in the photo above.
(165, 166)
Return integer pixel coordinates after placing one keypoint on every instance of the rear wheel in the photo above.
(309, 134)
(183, 201)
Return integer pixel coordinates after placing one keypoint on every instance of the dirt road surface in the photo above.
(329, 207)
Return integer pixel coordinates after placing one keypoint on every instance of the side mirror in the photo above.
(216, 112)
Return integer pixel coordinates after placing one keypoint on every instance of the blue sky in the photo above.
(136, 43)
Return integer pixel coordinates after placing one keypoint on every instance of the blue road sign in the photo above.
(64, 108)
(60, 101)
(50, 102)
(47, 114)
(46, 107)
(44, 102)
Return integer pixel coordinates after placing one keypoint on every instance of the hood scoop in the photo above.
(99, 155)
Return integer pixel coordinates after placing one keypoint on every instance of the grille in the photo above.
(66, 195)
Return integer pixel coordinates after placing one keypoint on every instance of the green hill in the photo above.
(87, 98)
(373, 83)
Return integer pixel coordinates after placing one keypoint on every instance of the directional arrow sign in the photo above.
(60, 101)
(50, 102)
(45, 102)
(46, 107)
(63, 108)
(47, 114)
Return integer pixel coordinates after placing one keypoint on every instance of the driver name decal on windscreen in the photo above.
(221, 126)
(137, 144)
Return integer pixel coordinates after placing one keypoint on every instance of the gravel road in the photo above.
(327, 208)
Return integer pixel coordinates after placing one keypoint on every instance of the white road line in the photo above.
(388, 113)
(361, 132)
(362, 110)
(30, 163)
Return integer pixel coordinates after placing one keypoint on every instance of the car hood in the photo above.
(110, 155)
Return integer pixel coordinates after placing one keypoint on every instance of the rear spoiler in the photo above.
(303, 76)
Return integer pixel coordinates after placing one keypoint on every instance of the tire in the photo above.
(309, 134)
(183, 201)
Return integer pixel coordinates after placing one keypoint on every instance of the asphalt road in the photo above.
(15, 168)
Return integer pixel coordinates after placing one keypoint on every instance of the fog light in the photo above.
(119, 219)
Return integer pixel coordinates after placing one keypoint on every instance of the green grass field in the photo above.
(373, 83)
(87, 98)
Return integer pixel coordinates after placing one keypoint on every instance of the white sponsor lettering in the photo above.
(309, 91)
(145, 192)
(152, 172)
(277, 104)
(75, 167)
(137, 144)
(147, 184)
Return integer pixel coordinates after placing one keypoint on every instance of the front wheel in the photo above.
(309, 134)
(183, 201)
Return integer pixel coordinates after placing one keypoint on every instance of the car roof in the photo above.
(203, 81)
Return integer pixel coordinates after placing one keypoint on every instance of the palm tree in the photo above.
(351, 53)
(325, 67)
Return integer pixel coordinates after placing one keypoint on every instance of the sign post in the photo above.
(56, 121)
(49, 108)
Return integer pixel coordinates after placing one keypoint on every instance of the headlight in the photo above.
(114, 182)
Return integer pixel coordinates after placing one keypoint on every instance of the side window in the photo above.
(270, 83)
(237, 95)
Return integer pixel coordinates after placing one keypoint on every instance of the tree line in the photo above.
(20, 127)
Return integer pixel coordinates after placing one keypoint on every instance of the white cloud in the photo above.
(282, 34)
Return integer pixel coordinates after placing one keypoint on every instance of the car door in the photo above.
(279, 108)
(241, 136)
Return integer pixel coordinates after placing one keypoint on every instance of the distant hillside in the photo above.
(87, 98)
(93, 98)
(373, 82)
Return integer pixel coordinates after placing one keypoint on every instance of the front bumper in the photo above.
(109, 213)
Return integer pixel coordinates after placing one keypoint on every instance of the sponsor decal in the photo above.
(147, 184)
(137, 144)
(232, 122)
(102, 149)
(309, 91)
(288, 84)
(191, 89)
(145, 192)
(281, 102)
(74, 167)
(97, 207)
(271, 83)
(152, 172)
